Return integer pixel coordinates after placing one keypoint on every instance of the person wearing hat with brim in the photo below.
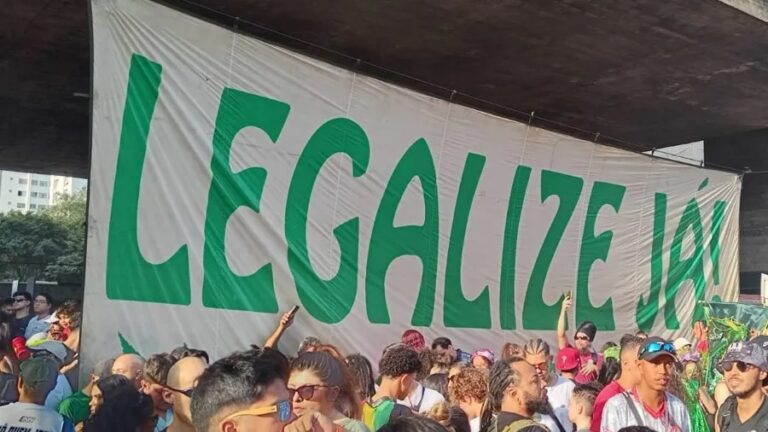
(649, 403)
(37, 377)
(590, 361)
(745, 371)
(56, 351)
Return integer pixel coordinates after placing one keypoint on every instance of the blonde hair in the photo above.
(453, 418)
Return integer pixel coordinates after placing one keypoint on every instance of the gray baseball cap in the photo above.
(39, 374)
(746, 352)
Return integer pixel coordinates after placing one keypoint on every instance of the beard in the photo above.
(537, 404)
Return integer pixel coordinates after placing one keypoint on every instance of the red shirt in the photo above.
(606, 393)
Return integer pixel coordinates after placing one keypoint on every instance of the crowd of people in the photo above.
(642, 383)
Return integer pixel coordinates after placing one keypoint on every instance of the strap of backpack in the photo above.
(724, 415)
(633, 408)
(519, 425)
(557, 422)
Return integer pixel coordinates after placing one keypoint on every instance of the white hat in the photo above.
(681, 343)
(51, 319)
(54, 347)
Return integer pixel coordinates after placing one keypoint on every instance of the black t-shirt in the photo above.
(505, 419)
(732, 423)
(19, 325)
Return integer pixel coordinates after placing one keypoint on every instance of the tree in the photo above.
(69, 213)
(29, 243)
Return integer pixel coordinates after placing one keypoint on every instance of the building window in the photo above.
(20, 205)
(43, 195)
(32, 206)
(22, 181)
(33, 194)
(21, 193)
(34, 182)
(42, 206)
(43, 183)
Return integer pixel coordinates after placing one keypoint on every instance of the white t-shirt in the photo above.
(474, 424)
(559, 396)
(618, 414)
(21, 416)
(424, 403)
(62, 391)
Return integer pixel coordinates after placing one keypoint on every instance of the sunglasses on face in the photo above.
(655, 347)
(283, 409)
(187, 392)
(305, 392)
(741, 366)
(581, 338)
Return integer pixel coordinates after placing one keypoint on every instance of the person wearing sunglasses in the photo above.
(178, 390)
(745, 371)
(590, 361)
(246, 392)
(649, 403)
(22, 301)
(558, 388)
(320, 382)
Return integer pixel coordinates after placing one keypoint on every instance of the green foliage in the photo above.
(46, 245)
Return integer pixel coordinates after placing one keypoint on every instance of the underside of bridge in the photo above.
(641, 73)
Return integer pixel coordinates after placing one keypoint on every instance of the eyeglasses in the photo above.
(741, 366)
(283, 409)
(187, 392)
(306, 392)
(19, 300)
(581, 338)
(541, 366)
(655, 347)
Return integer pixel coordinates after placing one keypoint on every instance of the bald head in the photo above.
(182, 377)
(129, 366)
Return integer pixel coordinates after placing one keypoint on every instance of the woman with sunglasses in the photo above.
(320, 382)
(590, 362)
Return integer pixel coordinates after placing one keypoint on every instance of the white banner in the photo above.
(232, 179)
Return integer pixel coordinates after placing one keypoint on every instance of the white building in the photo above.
(32, 192)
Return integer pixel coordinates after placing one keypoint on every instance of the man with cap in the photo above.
(745, 370)
(682, 346)
(567, 362)
(56, 351)
(37, 376)
(590, 362)
(649, 404)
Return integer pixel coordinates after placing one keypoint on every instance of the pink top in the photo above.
(606, 393)
(584, 358)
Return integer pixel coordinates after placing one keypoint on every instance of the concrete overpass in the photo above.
(643, 74)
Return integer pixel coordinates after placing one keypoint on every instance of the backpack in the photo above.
(727, 409)
(519, 425)
(515, 426)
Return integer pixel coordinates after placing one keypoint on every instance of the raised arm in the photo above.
(562, 339)
(285, 321)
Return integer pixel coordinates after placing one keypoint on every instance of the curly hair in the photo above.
(453, 418)
(398, 361)
(469, 383)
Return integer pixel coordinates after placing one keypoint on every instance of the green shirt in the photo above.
(76, 407)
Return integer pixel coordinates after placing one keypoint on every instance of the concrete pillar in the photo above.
(749, 149)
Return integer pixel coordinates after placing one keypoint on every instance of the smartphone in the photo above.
(293, 311)
(568, 295)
